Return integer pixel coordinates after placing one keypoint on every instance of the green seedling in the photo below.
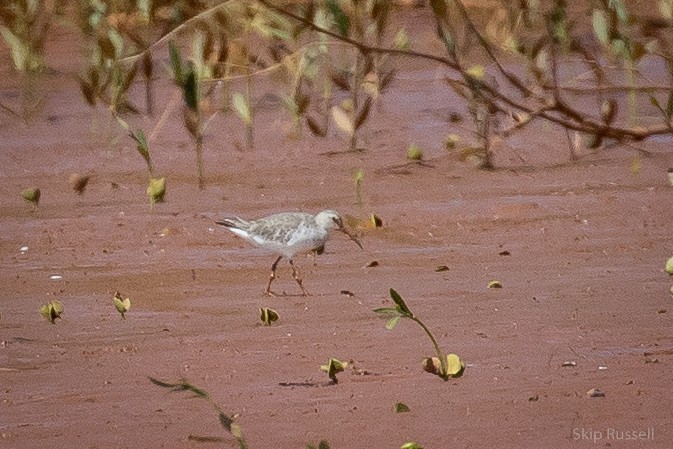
(79, 182)
(267, 315)
(226, 420)
(411, 445)
(51, 311)
(358, 177)
(414, 152)
(401, 407)
(32, 195)
(334, 367)
(122, 304)
(401, 310)
(156, 190)
(669, 266)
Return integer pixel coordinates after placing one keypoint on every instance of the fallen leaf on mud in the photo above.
(441, 268)
(494, 284)
(79, 182)
(596, 393)
(401, 407)
(411, 445)
(669, 266)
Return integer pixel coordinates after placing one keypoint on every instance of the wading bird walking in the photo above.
(288, 234)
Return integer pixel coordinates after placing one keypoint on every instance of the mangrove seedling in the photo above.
(333, 367)
(51, 311)
(156, 190)
(32, 195)
(122, 304)
(267, 315)
(414, 152)
(446, 368)
(226, 420)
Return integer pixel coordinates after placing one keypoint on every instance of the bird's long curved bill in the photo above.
(350, 236)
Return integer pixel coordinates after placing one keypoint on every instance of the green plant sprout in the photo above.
(411, 445)
(226, 421)
(414, 152)
(32, 196)
(401, 407)
(268, 315)
(156, 190)
(122, 304)
(358, 177)
(333, 367)
(446, 369)
(51, 311)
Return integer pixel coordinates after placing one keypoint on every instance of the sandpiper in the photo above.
(288, 234)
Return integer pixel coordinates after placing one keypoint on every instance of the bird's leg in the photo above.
(295, 274)
(268, 291)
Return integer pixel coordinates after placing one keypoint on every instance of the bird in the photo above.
(289, 234)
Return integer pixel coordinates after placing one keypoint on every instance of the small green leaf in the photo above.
(392, 322)
(411, 445)
(600, 24)
(333, 367)
(190, 89)
(122, 304)
(242, 108)
(392, 311)
(454, 366)
(156, 190)
(340, 17)
(176, 63)
(51, 311)
(669, 266)
(399, 302)
(401, 407)
(268, 315)
(414, 153)
(32, 195)
(142, 147)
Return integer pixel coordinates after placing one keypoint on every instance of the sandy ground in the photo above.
(579, 249)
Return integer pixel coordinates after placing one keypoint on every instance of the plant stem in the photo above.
(442, 358)
(250, 126)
